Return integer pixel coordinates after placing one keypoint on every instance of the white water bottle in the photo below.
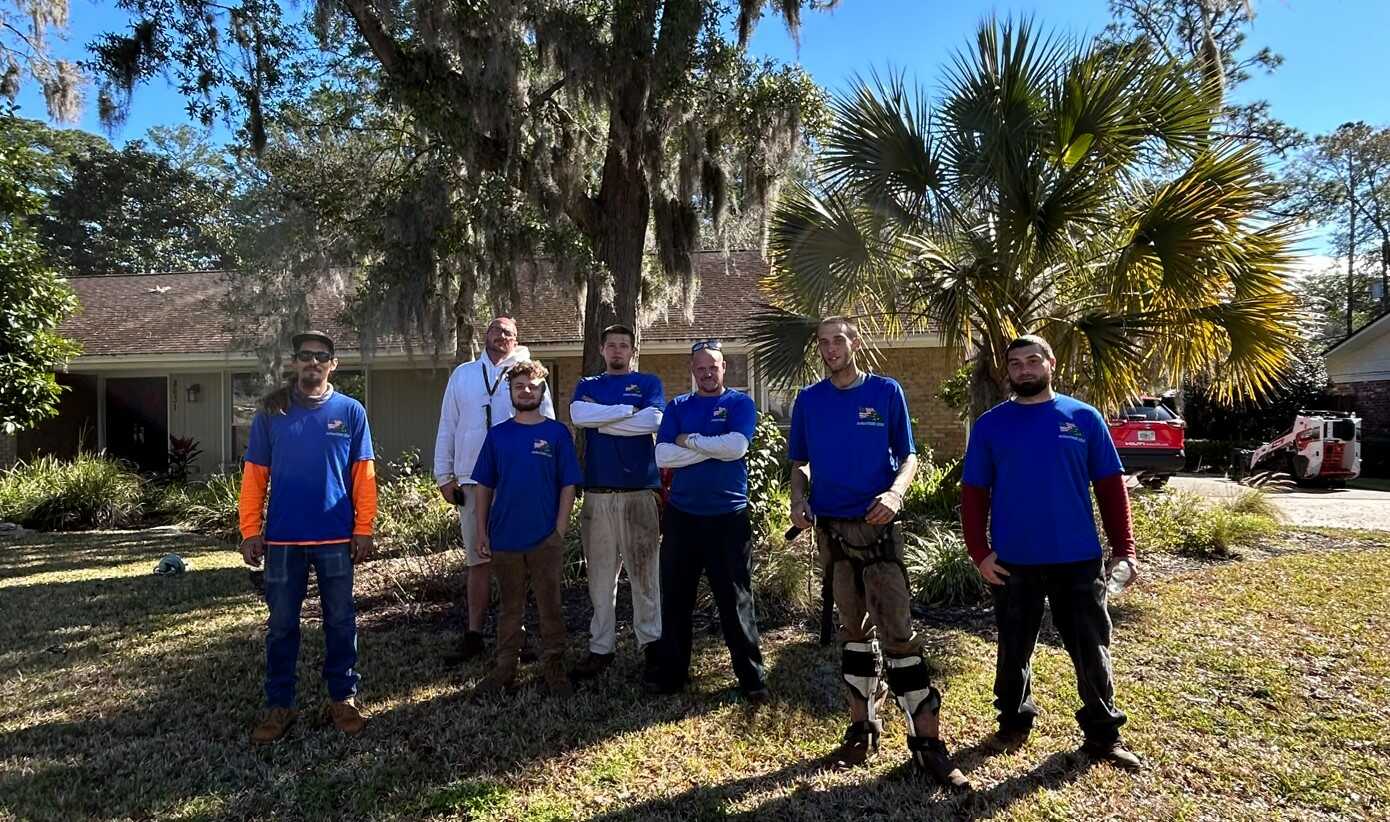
(1119, 577)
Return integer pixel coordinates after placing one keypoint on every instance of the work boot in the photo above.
(472, 646)
(930, 756)
(1008, 740)
(497, 681)
(273, 725)
(760, 695)
(556, 680)
(591, 666)
(346, 717)
(859, 745)
(1113, 753)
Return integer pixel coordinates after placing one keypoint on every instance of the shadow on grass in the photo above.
(78, 551)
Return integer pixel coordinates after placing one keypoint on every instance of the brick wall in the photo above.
(1371, 401)
(921, 371)
(9, 450)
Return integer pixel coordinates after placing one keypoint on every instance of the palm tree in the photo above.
(1074, 192)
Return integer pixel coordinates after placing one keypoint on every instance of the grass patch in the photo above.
(1255, 690)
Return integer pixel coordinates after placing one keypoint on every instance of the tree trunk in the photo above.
(987, 387)
(1351, 263)
(464, 346)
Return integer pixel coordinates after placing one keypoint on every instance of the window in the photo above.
(1148, 413)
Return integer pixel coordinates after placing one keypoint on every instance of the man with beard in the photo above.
(472, 405)
(851, 442)
(311, 448)
(703, 438)
(619, 411)
(1029, 468)
(525, 475)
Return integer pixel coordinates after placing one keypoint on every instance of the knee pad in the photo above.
(911, 685)
(862, 670)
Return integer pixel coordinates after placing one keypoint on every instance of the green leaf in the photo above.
(1077, 149)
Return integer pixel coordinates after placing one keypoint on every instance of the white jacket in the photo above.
(463, 420)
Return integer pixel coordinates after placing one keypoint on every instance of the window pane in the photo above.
(736, 371)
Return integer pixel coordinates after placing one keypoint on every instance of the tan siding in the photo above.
(403, 410)
(921, 371)
(201, 420)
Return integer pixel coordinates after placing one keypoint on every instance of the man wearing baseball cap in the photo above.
(311, 448)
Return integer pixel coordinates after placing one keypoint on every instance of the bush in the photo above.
(412, 518)
(939, 570)
(89, 491)
(212, 507)
(786, 575)
(935, 491)
(1183, 523)
(767, 476)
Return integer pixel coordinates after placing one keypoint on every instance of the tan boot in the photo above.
(273, 725)
(346, 717)
(556, 680)
(497, 681)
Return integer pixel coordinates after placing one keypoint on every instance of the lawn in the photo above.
(1257, 689)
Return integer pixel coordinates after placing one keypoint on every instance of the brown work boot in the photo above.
(930, 755)
(346, 717)
(1114, 753)
(494, 683)
(1008, 740)
(591, 666)
(556, 680)
(273, 725)
(859, 745)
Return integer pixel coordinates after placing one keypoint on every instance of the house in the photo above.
(158, 360)
(1359, 369)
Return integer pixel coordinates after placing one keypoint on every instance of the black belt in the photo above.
(601, 490)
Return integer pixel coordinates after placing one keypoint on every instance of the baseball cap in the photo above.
(298, 339)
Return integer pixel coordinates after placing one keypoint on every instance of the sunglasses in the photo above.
(307, 356)
(706, 345)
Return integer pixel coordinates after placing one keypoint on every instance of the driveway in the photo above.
(1318, 507)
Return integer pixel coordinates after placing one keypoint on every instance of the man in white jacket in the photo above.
(475, 400)
(619, 411)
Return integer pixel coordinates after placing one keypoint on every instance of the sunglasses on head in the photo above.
(706, 345)
(306, 356)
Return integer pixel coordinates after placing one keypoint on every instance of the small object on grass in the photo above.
(171, 564)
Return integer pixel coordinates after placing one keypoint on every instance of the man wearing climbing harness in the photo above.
(475, 400)
(851, 443)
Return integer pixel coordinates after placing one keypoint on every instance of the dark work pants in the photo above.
(719, 547)
(1076, 592)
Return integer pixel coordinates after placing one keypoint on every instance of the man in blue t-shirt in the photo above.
(1029, 468)
(310, 450)
(619, 411)
(526, 474)
(851, 443)
(703, 439)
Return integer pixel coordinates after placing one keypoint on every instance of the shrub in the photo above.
(935, 491)
(786, 576)
(212, 507)
(412, 518)
(1183, 523)
(767, 476)
(939, 570)
(89, 491)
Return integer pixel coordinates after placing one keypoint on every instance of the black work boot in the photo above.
(1114, 753)
(930, 756)
(859, 745)
(591, 666)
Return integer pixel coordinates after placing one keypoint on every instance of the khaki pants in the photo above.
(542, 566)
(622, 528)
(468, 525)
(878, 604)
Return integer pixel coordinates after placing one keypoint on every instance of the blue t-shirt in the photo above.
(713, 486)
(620, 462)
(1039, 462)
(310, 455)
(855, 440)
(526, 466)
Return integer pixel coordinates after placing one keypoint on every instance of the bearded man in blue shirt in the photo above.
(851, 446)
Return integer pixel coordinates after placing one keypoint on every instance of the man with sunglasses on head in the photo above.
(704, 438)
(619, 411)
(311, 450)
(851, 447)
(475, 400)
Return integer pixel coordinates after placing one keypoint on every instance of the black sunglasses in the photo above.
(306, 356)
(706, 345)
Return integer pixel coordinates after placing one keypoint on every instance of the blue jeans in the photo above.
(286, 582)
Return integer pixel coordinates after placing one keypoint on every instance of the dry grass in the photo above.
(1256, 690)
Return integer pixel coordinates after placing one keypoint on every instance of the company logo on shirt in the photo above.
(338, 428)
(541, 447)
(721, 413)
(1070, 431)
(633, 388)
(870, 416)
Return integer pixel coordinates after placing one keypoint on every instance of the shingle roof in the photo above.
(179, 313)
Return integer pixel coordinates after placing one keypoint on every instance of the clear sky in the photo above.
(1333, 50)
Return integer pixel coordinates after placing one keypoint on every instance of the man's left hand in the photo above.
(1133, 567)
(362, 547)
(885, 507)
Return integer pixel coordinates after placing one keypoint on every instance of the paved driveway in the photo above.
(1328, 508)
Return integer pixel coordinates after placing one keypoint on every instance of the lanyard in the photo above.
(490, 389)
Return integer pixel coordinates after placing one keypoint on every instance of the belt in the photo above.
(602, 490)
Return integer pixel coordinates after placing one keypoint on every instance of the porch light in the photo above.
(193, 391)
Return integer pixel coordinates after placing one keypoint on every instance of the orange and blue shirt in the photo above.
(317, 466)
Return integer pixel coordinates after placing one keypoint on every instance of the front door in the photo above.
(137, 421)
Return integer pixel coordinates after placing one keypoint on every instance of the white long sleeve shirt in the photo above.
(473, 388)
